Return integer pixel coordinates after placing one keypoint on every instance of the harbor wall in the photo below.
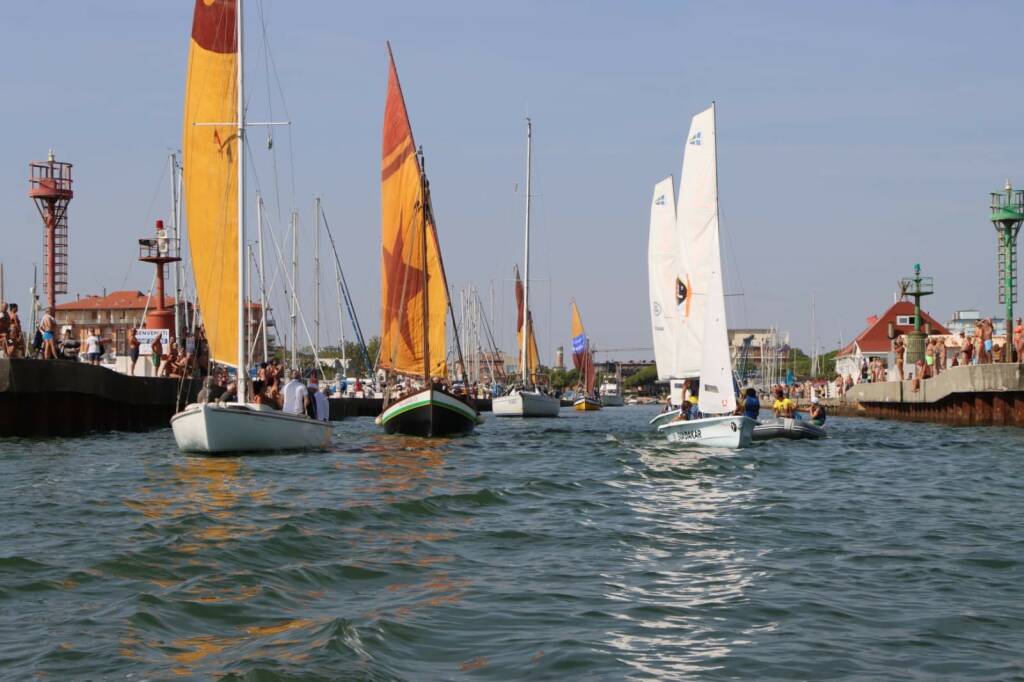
(978, 395)
(65, 398)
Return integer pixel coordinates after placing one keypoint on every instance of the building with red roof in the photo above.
(874, 342)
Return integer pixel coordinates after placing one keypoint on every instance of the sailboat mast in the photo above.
(263, 277)
(526, 259)
(295, 292)
(316, 280)
(242, 369)
(423, 254)
(175, 231)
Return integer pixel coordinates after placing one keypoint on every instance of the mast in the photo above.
(423, 254)
(316, 280)
(242, 369)
(250, 347)
(263, 277)
(526, 260)
(295, 286)
(173, 161)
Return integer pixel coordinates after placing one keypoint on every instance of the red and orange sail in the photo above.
(531, 346)
(405, 221)
(210, 175)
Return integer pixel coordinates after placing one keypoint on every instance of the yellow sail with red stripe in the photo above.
(582, 357)
(406, 220)
(210, 175)
(531, 346)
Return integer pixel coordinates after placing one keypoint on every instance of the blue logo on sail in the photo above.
(660, 201)
(579, 343)
(695, 138)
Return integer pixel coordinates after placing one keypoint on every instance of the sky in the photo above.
(855, 139)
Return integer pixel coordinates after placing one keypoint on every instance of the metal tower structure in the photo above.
(49, 186)
(1007, 215)
(160, 251)
(916, 286)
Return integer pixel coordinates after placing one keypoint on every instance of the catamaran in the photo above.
(694, 268)
(526, 400)
(583, 360)
(414, 291)
(214, 162)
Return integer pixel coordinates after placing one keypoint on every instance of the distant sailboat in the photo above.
(583, 360)
(414, 290)
(707, 352)
(526, 400)
(214, 163)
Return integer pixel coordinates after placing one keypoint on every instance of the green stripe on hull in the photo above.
(392, 413)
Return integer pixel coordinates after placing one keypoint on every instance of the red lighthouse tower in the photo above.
(49, 186)
(160, 252)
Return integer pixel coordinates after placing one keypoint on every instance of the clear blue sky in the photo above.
(855, 139)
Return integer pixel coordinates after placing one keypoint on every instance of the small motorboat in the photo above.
(788, 427)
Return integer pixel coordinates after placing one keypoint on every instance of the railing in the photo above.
(162, 248)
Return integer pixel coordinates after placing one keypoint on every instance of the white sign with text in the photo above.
(146, 336)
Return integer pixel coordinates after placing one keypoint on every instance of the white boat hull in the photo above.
(525, 404)
(664, 417)
(718, 432)
(231, 427)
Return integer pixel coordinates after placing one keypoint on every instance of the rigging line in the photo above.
(345, 292)
(270, 112)
(149, 215)
(298, 308)
(284, 106)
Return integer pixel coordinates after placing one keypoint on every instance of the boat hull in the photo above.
(587, 404)
(613, 400)
(230, 427)
(526, 404)
(720, 432)
(429, 413)
(787, 427)
(664, 418)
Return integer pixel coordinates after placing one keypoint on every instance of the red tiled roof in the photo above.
(117, 300)
(875, 339)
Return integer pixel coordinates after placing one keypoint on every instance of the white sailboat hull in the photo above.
(665, 417)
(231, 427)
(525, 404)
(719, 432)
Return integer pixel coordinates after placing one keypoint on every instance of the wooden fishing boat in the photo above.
(414, 290)
(583, 359)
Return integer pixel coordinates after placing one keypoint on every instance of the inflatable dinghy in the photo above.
(785, 427)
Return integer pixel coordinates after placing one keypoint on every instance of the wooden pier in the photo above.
(979, 395)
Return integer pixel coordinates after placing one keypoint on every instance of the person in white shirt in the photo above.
(92, 347)
(323, 410)
(296, 397)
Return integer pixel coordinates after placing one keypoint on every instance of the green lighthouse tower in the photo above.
(1007, 215)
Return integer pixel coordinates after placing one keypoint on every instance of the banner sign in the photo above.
(146, 336)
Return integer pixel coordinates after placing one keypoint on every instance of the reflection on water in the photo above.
(681, 565)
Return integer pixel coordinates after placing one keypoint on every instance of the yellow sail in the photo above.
(405, 220)
(210, 173)
(531, 346)
(582, 357)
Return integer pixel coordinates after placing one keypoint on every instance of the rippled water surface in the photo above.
(583, 547)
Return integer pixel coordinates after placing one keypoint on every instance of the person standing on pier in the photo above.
(899, 349)
(48, 329)
(156, 351)
(1018, 341)
(92, 347)
(133, 349)
(5, 325)
(15, 343)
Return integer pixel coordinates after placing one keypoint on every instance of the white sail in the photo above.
(662, 269)
(716, 392)
(697, 225)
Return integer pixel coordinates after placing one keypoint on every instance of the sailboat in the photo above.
(414, 291)
(583, 360)
(526, 400)
(699, 277)
(214, 162)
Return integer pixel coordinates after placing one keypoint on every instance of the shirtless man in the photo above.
(48, 327)
(1018, 340)
(15, 345)
(5, 326)
(966, 349)
(899, 349)
(985, 354)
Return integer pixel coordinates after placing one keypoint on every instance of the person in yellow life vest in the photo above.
(783, 406)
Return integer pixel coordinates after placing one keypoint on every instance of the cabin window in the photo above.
(905, 320)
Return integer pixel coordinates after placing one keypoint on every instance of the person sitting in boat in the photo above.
(817, 412)
(750, 406)
(784, 405)
(296, 397)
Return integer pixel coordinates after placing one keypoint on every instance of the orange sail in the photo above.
(406, 276)
(531, 346)
(211, 172)
(582, 357)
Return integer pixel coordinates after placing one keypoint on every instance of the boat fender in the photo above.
(733, 425)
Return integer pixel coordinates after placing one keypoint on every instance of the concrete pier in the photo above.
(982, 395)
(64, 398)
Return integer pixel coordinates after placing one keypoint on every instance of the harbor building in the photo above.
(964, 321)
(875, 341)
(114, 314)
